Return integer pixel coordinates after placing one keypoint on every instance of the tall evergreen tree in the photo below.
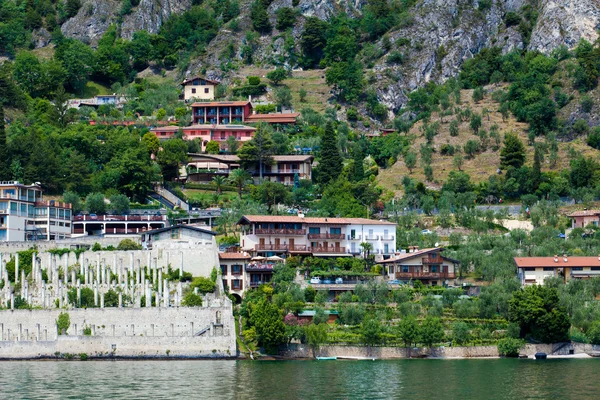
(259, 149)
(330, 163)
(359, 169)
(513, 152)
(4, 160)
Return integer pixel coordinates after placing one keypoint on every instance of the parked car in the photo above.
(561, 235)
(426, 232)
(327, 281)
(394, 282)
(339, 281)
(315, 280)
(93, 216)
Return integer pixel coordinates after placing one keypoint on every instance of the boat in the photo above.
(326, 358)
(356, 358)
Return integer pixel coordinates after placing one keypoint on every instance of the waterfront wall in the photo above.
(305, 351)
(120, 332)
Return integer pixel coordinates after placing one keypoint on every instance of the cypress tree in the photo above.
(4, 159)
(513, 152)
(330, 164)
(359, 169)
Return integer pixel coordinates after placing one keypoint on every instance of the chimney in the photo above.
(416, 248)
(565, 258)
(555, 258)
(300, 214)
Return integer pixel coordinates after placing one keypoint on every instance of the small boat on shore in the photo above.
(326, 358)
(356, 358)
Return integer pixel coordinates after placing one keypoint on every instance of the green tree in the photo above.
(72, 7)
(286, 18)
(313, 41)
(119, 204)
(190, 299)
(370, 332)
(63, 323)
(75, 200)
(5, 173)
(512, 153)
(173, 152)
(94, 203)
(277, 75)
(260, 17)
(78, 61)
(204, 285)
(460, 333)
(268, 322)
(330, 160)
(410, 160)
(510, 347)
(346, 78)
(128, 244)
(271, 194)
(540, 315)
(240, 178)
(432, 331)
(219, 181)
(316, 335)
(359, 169)
(151, 141)
(302, 94)
(453, 128)
(458, 161)
(161, 114)
(283, 97)
(213, 147)
(258, 150)
(408, 330)
(475, 123)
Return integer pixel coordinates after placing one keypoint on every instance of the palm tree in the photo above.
(219, 181)
(239, 178)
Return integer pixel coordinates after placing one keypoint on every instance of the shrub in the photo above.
(63, 323)
(510, 347)
(87, 330)
(128, 244)
(204, 285)
(309, 294)
(192, 300)
(586, 104)
(352, 114)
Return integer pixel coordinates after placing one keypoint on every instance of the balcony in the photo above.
(339, 236)
(298, 248)
(281, 231)
(328, 250)
(371, 237)
(388, 237)
(355, 237)
(425, 275)
(434, 259)
(271, 247)
(259, 268)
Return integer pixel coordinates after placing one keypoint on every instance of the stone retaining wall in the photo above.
(123, 332)
(305, 351)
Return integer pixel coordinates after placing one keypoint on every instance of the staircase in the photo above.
(161, 200)
(203, 331)
(171, 197)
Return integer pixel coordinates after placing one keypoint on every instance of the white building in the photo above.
(320, 237)
(24, 215)
(199, 88)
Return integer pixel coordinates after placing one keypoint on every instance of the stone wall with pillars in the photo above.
(126, 332)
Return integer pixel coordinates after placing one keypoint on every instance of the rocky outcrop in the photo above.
(95, 16)
(565, 22)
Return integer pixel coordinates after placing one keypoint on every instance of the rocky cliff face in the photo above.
(565, 22)
(95, 16)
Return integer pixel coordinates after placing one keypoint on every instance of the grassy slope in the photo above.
(483, 164)
(313, 81)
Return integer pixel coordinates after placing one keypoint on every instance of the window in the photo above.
(548, 269)
(174, 233)
(577, 268)
(405, 268)
(335, 231)
(236, 269)
(435, 268)
(370, 232)
(528, 269)
(385, 233)
(314, 230)
(595, 268)
(206, 90)
(391, 269)
(352, 233)
(237, 284)
(194, 90)
(386, 248)
(223, 270)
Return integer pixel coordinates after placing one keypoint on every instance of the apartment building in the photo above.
(199, 88)
(24, 215)
(266, 235)
(203, 167)
(581, 219)
(207, 133)
(426, 265)
(236, 112)
(534, 270)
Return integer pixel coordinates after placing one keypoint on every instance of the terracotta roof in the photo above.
(199, 77)
(217, 157)
(584, 213)
(293, 219)
(220, 103)
(408, 256)
(524, 262)
(294, 158)
(234, 256)
(181, 226)
(273, 118)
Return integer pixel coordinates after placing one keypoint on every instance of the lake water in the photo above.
(401, 379)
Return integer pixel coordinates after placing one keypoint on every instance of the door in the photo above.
(352, 233)
(291, 246)
(261, 245)
(277, 241)
(337, 247)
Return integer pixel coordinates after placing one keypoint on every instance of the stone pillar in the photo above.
(22, 282)
(43, 293)
(181, 264)
(12, 301)
(96, 293)
(97, 272)
(179, 294)
(78, 293)
(101, 300)
(166, 293)
(157, 300)
(73, 275)
(148, 296)
(120, 300)
(114, 266)
(66, 269)
(33, 266)
(1, 266)
(16, 267)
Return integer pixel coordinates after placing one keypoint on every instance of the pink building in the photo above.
(206, 133)
(581, 219)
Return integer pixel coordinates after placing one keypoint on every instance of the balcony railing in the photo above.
(298, 247)
(425, 275)
(339, 236)
(355, 237)
(330, 249)
(271, 247)
(387, 237)
(433, 260)
(117, 218)
(282, 231)
(371, 237)
(259, 268)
